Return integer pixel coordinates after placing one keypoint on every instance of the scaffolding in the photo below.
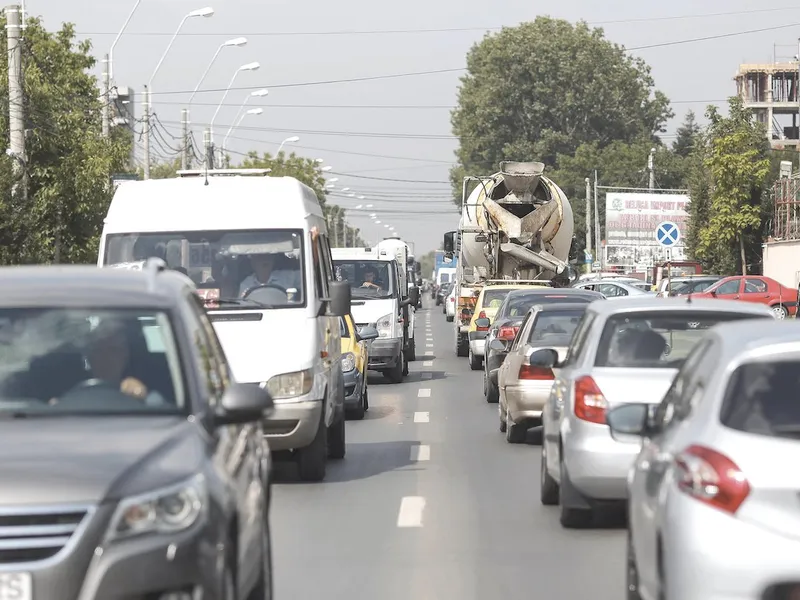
(785, 210)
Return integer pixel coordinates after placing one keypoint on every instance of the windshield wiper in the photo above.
(234, 302)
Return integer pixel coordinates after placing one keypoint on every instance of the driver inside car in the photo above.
(370, 278)
(268, 271)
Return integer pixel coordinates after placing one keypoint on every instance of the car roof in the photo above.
(646, 303)
(550, 291)
(559, 306)
(545, 285)
(741, 338)
(85, 286)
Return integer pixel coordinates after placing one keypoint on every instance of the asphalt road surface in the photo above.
(431, 503)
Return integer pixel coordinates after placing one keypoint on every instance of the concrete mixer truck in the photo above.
(516, 226)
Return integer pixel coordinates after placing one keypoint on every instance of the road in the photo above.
(431, 503)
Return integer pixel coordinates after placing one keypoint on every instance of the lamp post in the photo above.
(257, 94)
(200, 12)
(209, 137)
(252, 111)
(292, 139)
(108, 72)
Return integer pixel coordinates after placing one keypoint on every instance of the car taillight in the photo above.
(711, 477)
(507, 334)
(535, 373)
(590, 404)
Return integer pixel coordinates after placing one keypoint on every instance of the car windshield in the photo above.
(233, 270)
(661, 339)
(761, 398)
(105, 362)
(555, 328)
(494, 298)
(368, 278)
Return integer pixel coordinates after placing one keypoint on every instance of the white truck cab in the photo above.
(378, 301)
(257, 249)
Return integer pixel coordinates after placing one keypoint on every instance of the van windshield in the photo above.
(232, 270)
(368, 279)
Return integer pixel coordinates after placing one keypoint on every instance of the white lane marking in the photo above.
(424, 392)
(420, 453)
(411, 509)
(427, 375)
(429, 345)
(422, 417)
(427, 363)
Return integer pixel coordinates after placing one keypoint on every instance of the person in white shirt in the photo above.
(264, 273)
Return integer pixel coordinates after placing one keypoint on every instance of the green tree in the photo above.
(736, 157)
(426, 263)
(68, 162)
(163, 170)
(686, 135)
(542, 89)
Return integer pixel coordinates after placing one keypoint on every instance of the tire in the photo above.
(462, 350)
(412, 350)
(503, 424)
(395, 374)
(515, 433)
(337, 444)
(475, 362)
(312, 461)
(366, 398)
(780, 311)
(263, 589)
(573, 518)
(491, 393)
(228, 583)
(357, 413)
(405, 366)
(548, 487)
(631, 572)
(449, 319)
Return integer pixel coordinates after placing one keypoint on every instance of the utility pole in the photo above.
(106, 98)
(336, 229)
(185, 139)
(209, 146)
(597, 248)
(16, 118)
(146, 106)
(651, 169)
(797, 94)
(588, 216)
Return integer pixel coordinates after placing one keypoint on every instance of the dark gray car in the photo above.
(133, 467)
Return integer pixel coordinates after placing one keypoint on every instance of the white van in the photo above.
(377, 301)
(257, 249)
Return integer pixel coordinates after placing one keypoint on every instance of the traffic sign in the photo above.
(668, 234)
(587, 257)
(596, 266)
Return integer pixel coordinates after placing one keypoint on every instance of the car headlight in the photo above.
(167, 510)
(385, 325)
(290, 385)
(348, 362)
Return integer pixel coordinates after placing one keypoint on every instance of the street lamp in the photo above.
(253, 66)
(257, 94)
(116, 39)
(200, 12)
(292, 139)
(326, 169)
(240, 41)
(319, 161)
(345, 189)
(252, 111)
(333, 179)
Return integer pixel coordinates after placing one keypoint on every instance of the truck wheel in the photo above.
(395, 374)
(312, 460)
(405, 365)
(337, 446)
(475, 362)
(412, 350)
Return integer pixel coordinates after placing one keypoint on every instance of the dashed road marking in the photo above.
(429, 345)
(424, 393)
(427, 363)
(411, 509)
(422, 417)
(420, 453)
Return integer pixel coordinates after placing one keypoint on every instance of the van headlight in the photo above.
(166, 510)
(290, 385)
(385, 325)
(348, 362)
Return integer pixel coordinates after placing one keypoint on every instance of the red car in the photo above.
(755, 288)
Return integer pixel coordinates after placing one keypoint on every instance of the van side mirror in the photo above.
(339, 302)
(413, 294)
(244, 403)
(450, 241)
(545, 357)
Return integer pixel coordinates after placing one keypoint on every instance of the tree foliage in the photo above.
(727, 202)
(545, 88)
(686, 135)
(68, 162)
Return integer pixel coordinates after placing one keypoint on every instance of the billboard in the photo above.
(631, 223)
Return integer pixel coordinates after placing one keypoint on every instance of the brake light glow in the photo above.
(530, 373)
(712, 478)
(590, 403)
(507, 334)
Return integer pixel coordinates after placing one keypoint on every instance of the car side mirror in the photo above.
(413, 295)
(545, 357)
(405, 302)
(339, 302)
(630, 419)
(497, 345)
(244, 403)
(713, 292)
(482, 323)
(368, 333)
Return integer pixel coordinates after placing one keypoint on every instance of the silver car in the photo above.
(524, 388)
(613, 288)
(714, 491)
(627, 351)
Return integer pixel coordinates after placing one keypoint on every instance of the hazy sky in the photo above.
(390, 139)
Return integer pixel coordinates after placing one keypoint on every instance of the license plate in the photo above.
(16, 586)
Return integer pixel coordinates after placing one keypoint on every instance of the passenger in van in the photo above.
(272, 269)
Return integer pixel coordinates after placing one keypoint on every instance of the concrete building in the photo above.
(781, 250)
(770, 91)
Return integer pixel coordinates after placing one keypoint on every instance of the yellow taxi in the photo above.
(486, 307)
(355, 358)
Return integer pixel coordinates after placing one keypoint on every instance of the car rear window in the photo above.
(555, 327)
(494, 298)
(519, 307)
(660, 339)
(761, 398)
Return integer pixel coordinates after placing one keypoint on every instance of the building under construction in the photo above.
(781, 251)
(770, 91)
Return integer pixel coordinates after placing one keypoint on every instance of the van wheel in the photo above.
(412, 350)
(395, 374)
(405, 365)
(313, 459)
(337, 446)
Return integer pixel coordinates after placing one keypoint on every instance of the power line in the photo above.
(370, 106)
(715, 37)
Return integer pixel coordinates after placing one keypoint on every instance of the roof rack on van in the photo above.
(217, 172)
(153, 266)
